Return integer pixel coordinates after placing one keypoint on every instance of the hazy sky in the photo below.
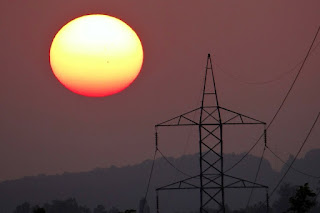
(45, 128)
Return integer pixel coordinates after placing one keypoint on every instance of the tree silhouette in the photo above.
(129, 211)
(303, 200)
(100, 209)
(39, 210)
(285, 192)
(23, 208)
(114, 210)
(65, 206)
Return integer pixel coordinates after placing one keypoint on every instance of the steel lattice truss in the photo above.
(210, 118)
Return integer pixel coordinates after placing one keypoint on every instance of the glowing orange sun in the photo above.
(96, 55)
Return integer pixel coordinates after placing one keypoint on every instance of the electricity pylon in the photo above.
(210, 119)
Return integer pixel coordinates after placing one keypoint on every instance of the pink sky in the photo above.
(45, 128)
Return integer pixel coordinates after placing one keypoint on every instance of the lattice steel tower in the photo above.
(210, 119)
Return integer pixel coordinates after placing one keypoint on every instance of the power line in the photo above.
(293, 168)
(256, 177)
(302, 145)
(295, 79)
(171, 164)
(168, 161)
(290, 166)
(275, 115)
(152, 166)
(282, 103)
(153, 162)
(244, 156)
(150, 176)
(278, 77)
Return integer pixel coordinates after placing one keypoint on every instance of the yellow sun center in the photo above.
(96, 55)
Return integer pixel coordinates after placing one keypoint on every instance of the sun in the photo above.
(96, 55)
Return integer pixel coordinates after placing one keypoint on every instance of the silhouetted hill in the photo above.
(123, 187)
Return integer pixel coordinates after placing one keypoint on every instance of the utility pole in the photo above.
(210, 119)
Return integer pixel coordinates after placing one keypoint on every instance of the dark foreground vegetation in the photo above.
(71, 206)
(291, 199)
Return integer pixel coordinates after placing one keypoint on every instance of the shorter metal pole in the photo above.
(156, 135)
(265, 137)
(267, 201)
(157, 202)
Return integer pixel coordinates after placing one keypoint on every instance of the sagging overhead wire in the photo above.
(168, 161)
(150, 176)
(153, 162)
(152, 166)
(295, 157)
(173, 166)
(259, 166)
(283, 101)
(293, 168)
(277, 78)
(290, 166)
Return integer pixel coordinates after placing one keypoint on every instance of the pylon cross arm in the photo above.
(230, 117)
(234, 182)
(185, 119)
(187, 183)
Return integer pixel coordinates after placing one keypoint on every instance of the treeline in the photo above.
(291, 198)
(71, 206)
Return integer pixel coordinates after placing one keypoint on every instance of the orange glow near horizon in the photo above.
(96, 55)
